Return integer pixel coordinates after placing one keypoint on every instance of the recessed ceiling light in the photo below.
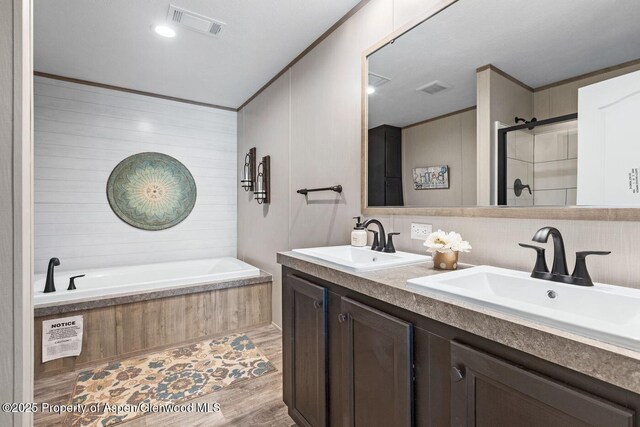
(164, 31)
(371, 89)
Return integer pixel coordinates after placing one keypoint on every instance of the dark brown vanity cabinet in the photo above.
(488, 391)
(371, 373)
(377, 367)
(350, 360)
(304, 343)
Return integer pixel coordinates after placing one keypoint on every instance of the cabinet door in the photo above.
(393, 192)
(304, 337)
(377, 367)
(393, 152)
(488, 391)
(375, 166)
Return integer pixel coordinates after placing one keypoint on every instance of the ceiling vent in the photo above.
(194, 21)
(376, 80)
(434, 87)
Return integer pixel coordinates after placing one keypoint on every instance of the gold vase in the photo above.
(445, 260)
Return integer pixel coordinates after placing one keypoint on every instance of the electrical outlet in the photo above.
(420, 231)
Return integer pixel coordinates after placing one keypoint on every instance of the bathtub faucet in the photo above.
(49, 284)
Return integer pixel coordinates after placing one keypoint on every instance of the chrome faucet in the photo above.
(49, 284)
(559, 271)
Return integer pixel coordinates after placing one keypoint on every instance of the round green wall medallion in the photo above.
(151, 191)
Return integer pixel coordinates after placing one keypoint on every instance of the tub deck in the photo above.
(90, 302)
(124, 326)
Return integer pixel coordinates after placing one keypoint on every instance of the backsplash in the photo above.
(495, 242)
(83, 132)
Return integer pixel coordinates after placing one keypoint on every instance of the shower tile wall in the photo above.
(555, 167)
(520, 156)
(545, 161)
(83, 132)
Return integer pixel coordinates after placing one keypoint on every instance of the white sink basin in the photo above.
(362, 259)
(606, 313)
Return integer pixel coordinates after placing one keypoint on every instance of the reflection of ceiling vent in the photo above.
(434, 87)
(376, 80)
(194, 21)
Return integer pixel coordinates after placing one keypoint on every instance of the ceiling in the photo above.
(538, 43)
(112, 42)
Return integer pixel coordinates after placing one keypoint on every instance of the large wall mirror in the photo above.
(506, 103)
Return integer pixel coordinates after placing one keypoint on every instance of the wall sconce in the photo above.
(262, 193)
(249, 170)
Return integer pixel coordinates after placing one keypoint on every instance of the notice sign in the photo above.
(61, 337)
(634, 181)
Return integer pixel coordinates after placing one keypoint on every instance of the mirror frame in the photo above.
(558, 213)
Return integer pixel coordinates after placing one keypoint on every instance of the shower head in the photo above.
(525, 121)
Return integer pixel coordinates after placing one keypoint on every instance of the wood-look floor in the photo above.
(257, 402)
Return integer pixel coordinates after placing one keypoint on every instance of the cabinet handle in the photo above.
(342, 317)
(317, 304)
(457, 374)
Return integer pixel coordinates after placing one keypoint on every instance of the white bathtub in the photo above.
(122, 281)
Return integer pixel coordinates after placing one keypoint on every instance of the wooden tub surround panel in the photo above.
(124, 330)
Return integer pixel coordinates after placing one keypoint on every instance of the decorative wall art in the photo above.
(431, 177)
(151, 191)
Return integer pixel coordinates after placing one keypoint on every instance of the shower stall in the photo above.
(537, 162)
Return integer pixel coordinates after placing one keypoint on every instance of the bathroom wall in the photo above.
(7, 245)
(321, 134)
(263, 230)
(448, 141)
(315, 142)
(562, 99)
(16, 308)
(83, 132)
(499, 100)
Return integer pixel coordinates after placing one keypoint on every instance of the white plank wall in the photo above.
(83, 132)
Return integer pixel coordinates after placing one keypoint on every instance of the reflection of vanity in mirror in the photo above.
(526, 106)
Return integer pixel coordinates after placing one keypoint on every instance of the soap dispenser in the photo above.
(359, 234)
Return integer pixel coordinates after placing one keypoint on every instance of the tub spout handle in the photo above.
(72, 282)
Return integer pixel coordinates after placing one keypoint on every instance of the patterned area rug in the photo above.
(132, 386)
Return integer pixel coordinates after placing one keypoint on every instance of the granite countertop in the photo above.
(608, 362)
(88, 303)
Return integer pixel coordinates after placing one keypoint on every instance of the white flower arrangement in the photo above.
(440, 241)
